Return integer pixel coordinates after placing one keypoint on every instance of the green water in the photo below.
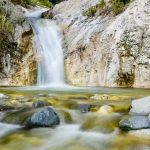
(95, 130)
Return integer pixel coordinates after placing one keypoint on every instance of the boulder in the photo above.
(141, 106)
(45, 117)
(39, 103)
(105, 110)
(134, 123)
(84, 108)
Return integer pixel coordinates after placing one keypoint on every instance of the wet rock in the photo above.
(47, 14)
(134, 123)
(102, 123)
(100, 97)
(39, 103)
(17, 115)
(105, 109)
(84, 108)
(141, 106)
(45, 117)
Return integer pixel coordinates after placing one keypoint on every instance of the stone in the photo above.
(141, 106)
(39, 103)
(142, 132)
(45, 117)
(84, 108)
(47, 14)
(134, 123)
(105, 110)
(100, 97)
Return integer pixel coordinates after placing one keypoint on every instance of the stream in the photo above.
(79, 129)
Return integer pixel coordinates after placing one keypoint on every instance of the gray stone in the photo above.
(84, 108)
(141, 106)
(134, 123)
(39, 103)
(45, 117)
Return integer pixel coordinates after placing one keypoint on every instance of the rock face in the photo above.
(46, 117)
(135, 123)
(106, 50)
(17, 58)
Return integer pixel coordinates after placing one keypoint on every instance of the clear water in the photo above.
(89, 131)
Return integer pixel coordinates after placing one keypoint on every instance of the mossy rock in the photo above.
(18, 116)
(102, 123)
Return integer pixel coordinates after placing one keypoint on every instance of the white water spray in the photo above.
(48, 43)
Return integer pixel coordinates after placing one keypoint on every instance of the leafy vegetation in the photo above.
(27, 3)
(116, 6)
(91, 11)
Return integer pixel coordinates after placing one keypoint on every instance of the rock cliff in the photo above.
(100, 50)
(106, 49)
(17, 59)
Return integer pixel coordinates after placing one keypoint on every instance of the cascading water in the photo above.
(47, 41)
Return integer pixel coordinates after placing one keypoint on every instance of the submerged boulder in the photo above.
(39, 103)
(141, 106)
(134, 123)
(45, 117)
(84, 108)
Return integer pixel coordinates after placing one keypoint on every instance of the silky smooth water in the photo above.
(49, 52)
(77, 131)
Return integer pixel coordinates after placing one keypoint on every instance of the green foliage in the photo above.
(27, 3)
(117, 6)
(102, 4)
(42, 3)
(91, 11)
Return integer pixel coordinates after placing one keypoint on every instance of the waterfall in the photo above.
(48, 43)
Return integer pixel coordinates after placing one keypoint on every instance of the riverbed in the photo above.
(80, 128)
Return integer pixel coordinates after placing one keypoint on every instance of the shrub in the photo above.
(91, 11)
(27, 3)
(117, 6)
(42, 3)
(102, 4)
